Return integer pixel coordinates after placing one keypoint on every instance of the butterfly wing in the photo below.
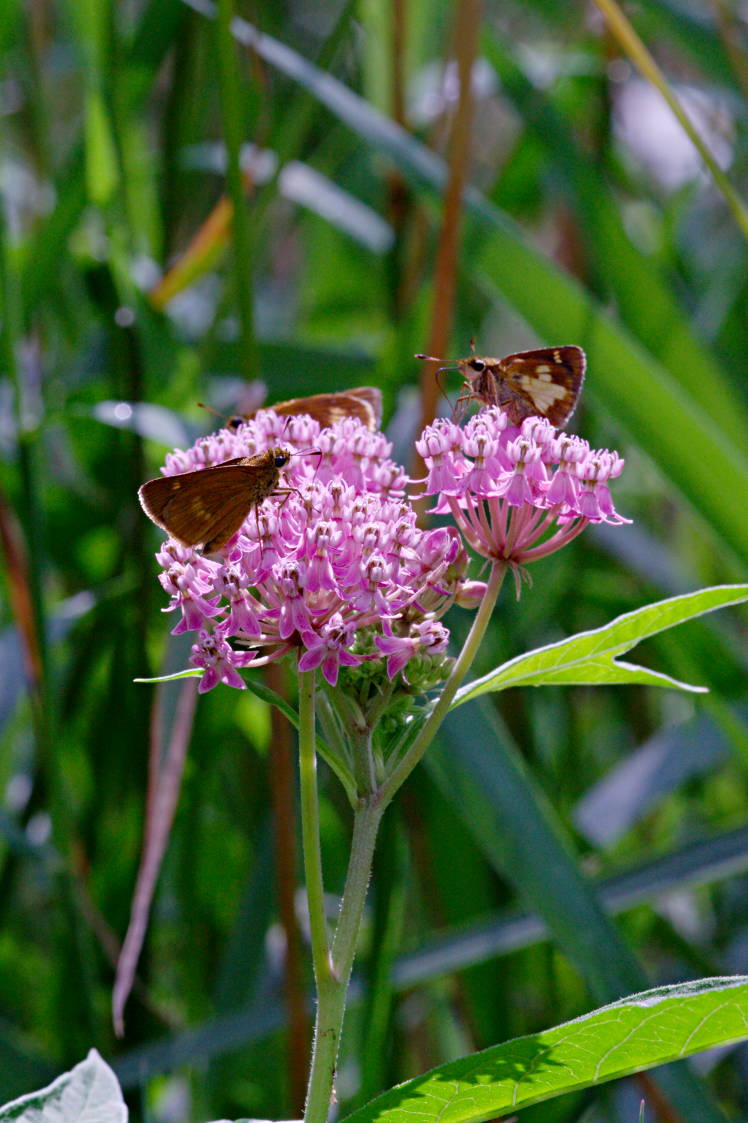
(206, 508)
(364, 403)
(545, 382)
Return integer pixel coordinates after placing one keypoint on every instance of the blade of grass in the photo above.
(467, 25)
(690, 32)
(297, 182)
(700, 863)
(42, 252)
(283, 790)
(730, 35)
(168, 752)
(233, 132)
(92, 23)
(646, 776)
(624, 32)
(636, 391)
(208, 243)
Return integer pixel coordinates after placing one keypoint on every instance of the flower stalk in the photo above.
(332, 990)
(331, 995)
(310, 834)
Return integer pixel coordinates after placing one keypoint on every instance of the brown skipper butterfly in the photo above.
(205, 508)
(542, 383)
(364, 403)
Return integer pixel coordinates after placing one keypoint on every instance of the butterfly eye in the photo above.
(280, 460)
(478, 365)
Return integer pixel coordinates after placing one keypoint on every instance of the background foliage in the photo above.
(128, 295)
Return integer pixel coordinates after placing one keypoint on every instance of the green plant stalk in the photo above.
(231, 110)
(359, 738)
(331, 995)
(338, 757)
(643, 60)
(475, 636)
(310, 836)
(332, 985)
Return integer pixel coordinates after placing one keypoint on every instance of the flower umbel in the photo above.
(339, 558)
(517, 493)
(340, 572)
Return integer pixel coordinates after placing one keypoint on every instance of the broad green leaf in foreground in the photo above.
(630, 1035)
(89, 1093)
(590, 657)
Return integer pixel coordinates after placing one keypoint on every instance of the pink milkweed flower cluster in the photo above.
(517, 493)
(337, 570)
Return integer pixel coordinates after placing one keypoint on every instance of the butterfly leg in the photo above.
(461, 405)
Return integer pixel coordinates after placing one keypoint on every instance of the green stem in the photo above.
(233, 117)
(358, 731)
(375, 709)
(310, 829)
(331, 994)
(336, 753)
(400, 774)
(332, 989)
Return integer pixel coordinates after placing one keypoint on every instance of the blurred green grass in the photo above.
(572, 232)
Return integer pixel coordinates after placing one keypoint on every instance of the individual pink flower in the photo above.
(216, 655)
(438, 448)
(328, 648)
(189, 578)
(293, 614)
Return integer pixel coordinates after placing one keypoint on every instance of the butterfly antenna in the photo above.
(216, 412)
(433, 359)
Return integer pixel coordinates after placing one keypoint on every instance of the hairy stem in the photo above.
(310, 838)
(331, 993)
(332, 986)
